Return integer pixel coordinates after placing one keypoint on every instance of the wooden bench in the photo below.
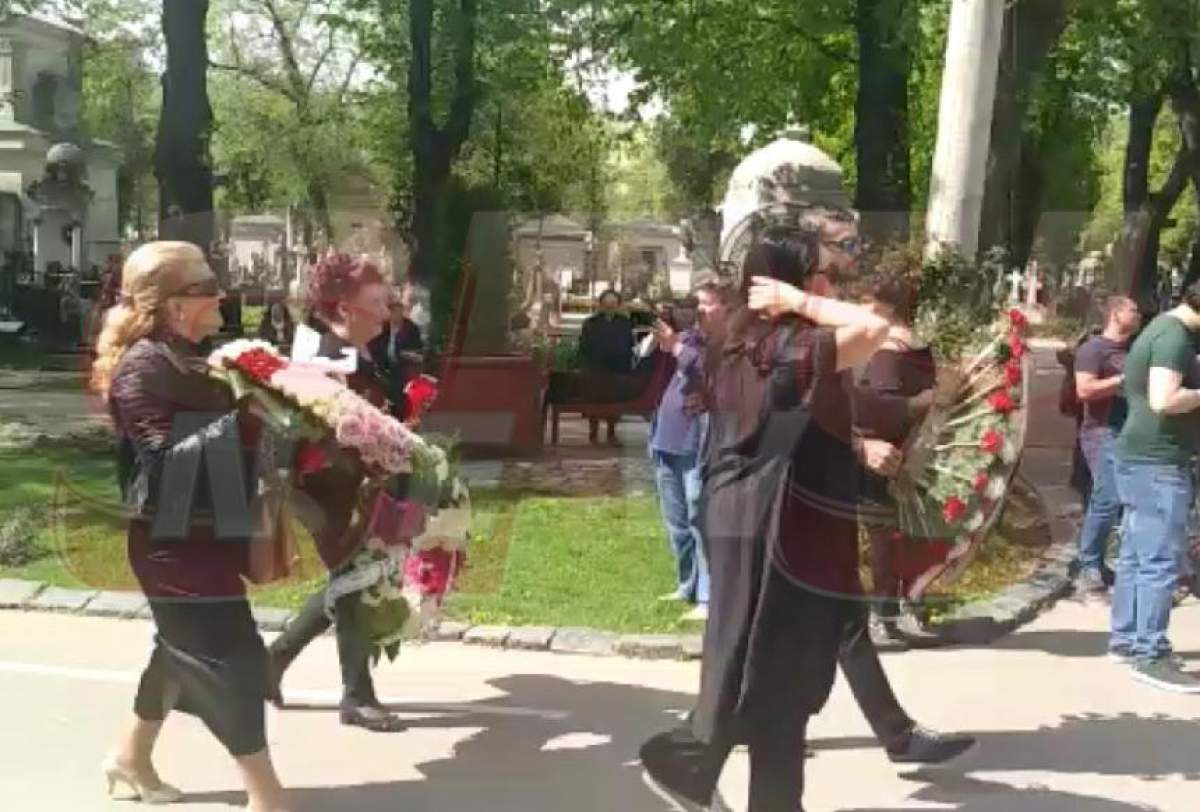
(580, 392)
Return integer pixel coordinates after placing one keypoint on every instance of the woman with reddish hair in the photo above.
(348, 298)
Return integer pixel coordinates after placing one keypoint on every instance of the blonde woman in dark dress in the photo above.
(173, 420)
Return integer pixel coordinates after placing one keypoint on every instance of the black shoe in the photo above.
(371, 717)
(929, 747)
(668, 761)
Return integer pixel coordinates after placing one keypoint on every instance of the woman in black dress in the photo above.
(349, 301)
(181, 436)
(780, 523)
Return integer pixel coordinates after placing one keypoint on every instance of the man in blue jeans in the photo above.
(676, 438)
(1155, 454)
(1099, 367)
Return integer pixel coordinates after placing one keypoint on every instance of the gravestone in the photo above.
(489, 260)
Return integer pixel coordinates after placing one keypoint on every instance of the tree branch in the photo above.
(287, 51)
(250, 73)
(345, 85)
(795, 29)
(312, 77)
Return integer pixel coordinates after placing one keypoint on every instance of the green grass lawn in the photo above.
(535, 559)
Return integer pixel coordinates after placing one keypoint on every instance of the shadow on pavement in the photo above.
(1148, 748)
(960, 793)
(1065, 643)
(585, 761)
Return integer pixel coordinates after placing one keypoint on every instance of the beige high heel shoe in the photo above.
(115, 774)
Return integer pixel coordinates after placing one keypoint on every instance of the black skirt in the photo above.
(208, 661)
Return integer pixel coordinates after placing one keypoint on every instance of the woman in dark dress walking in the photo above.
(180, 434)
(781, 531)
(349, 298)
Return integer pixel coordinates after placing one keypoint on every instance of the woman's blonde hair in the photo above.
(153, 273)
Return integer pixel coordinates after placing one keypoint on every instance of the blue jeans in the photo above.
(678, 479)
(1104, 507)
(1157, 498)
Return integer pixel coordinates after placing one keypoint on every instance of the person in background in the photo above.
(277, 326)
(399, 349)
(1155, 458)
(606, 345)
(1080, 479)
(676, 434)
(401, 337)
(1099, 367)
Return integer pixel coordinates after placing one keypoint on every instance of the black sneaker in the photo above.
(929, 747)
(1166, 674)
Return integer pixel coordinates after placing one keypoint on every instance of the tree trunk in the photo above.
(1192, 275)
(1137, 243)
(1031, 31)
(318, 198)
(434, 148)
(964, 125)
(1185, 99)
(181, 157)
(1143, 117)
(881, 132)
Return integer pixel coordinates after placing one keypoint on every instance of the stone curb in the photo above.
(984, 621)
(976, 623)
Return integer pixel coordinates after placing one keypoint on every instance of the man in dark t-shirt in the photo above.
(1099, 375)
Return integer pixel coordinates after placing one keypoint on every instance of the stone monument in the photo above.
(787, 173)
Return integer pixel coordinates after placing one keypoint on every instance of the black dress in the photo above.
(774, 632)
(182, 448)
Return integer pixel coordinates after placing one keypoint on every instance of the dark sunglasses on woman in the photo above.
(206, 289)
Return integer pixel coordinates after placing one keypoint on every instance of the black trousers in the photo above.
(804, 636)
(354, 655)
(788, 669)
(872, 690)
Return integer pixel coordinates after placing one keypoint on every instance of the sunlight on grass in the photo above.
(534, 559)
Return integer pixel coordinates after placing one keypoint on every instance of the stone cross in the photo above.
(1015, 279)
(1033, 285)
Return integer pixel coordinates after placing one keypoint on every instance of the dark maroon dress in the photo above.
(181, 441)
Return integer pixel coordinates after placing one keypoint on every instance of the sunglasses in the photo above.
(850, 245)
(207, 289)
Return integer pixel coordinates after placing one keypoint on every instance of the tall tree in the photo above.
(182, 163)
(883, 194)
(436, 145)
(1012, 189)
(295, 50)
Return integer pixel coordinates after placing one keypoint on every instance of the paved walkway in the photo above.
(1061, 728)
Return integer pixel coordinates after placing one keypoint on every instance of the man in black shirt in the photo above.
(1099, 375)
(399, 350)
(607, 346)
